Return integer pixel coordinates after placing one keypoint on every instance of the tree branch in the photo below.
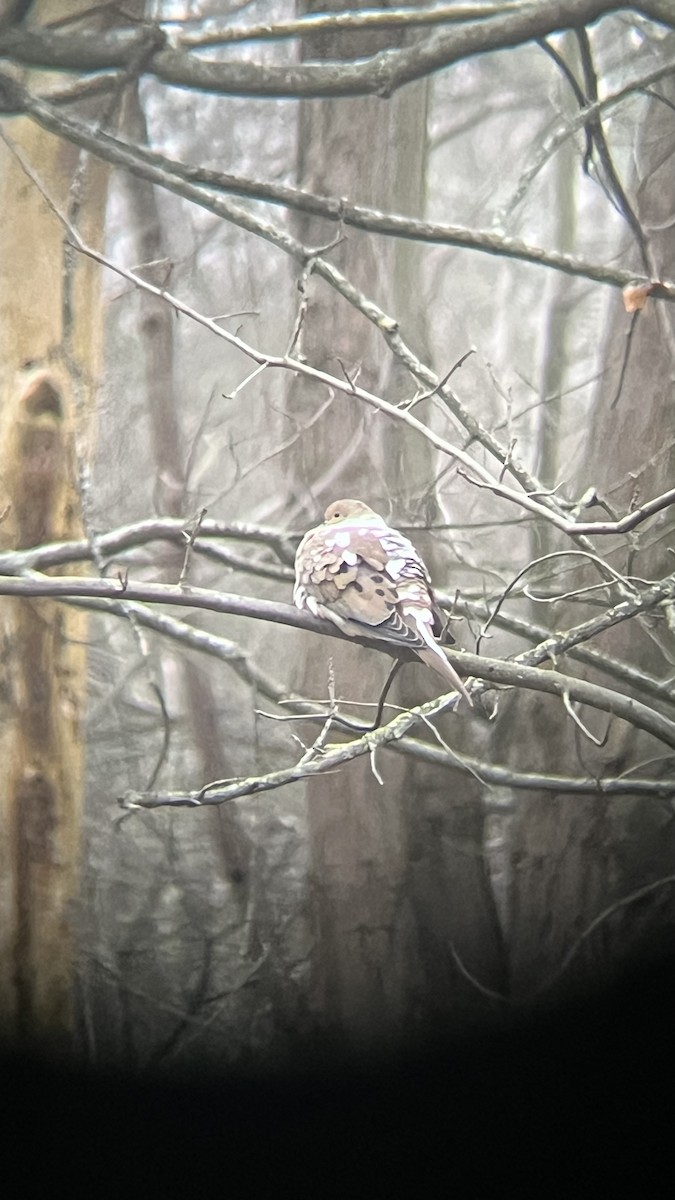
(550, 645)
(329, 759)
(245, 667)
(516, 673)
(208, 33)
(141, 533)
(86, 51)
(639, 894)
(493, 774)
(192, 184)
(598, 660)
(191, 638)
(550, 509)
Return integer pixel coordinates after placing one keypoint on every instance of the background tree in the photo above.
(353, 252)
(51, 344)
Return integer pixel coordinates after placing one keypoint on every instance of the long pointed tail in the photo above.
(434, 657)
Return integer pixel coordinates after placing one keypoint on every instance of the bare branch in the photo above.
(485, 479)
(177, 177)
(331, 758)
(190, 536)
(86, 51)
(191, 638)
(560, 643)
(517, 673)
(531, 631)
(550, 509)
(208, 33)
(608, 912)
(475, 983)
(337, 756)
(569, 708)
(604, 568)
(500, 776)
(233, 654)
(141, 533)
(611, 181)
(571, 125)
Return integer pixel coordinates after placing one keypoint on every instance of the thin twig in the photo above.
(190, 535)
(577, 720)
(625, 902)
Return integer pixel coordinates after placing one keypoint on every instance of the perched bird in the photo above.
(368, 579)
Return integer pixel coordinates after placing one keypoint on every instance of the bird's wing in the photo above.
(371, 580)
(352, 576)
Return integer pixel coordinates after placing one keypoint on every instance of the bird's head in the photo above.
(344, 510)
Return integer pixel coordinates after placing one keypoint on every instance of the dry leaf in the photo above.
(635, 296)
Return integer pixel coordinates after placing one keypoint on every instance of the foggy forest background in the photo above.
(256, 257)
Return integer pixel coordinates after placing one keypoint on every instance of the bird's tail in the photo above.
(434, 657)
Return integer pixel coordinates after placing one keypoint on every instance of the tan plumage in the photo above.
(368, 579)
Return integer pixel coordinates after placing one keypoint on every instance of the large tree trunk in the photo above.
(395, 874)
(580, 856)
(50, 336)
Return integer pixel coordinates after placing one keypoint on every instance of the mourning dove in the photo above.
(368, 579)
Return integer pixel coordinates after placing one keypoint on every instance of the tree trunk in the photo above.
(396, 873)
(50, 336)
(579, 856)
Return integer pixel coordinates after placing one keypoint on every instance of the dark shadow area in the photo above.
(541, 1097)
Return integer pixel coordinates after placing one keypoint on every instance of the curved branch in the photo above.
(550, 508)
(624, 902)
(192, 183)
(516, 673)
(331, 758)
(246, 668)
(560, 643)
(531, 631)
(336, 22)
(550, 647)
(488, 774)
(480, 477)
(140, 533)
(502, 776)
(383, 74)
(66, 587)
(190, 637)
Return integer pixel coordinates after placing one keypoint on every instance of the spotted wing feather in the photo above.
(372, 578)
(362, 578)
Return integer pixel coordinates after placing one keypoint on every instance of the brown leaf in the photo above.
(635, 296)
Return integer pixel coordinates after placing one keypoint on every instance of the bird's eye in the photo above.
(336, 514)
